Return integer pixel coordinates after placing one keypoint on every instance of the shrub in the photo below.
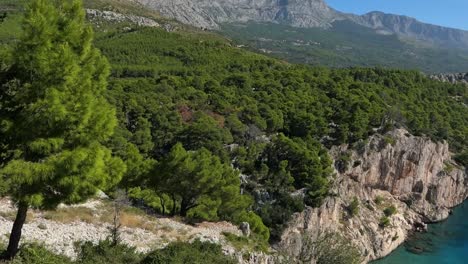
(252, 243)
(389, 211)
(106, 252)
(462, 158)
(353, 208)
(196, 253)
(389, 140)
(342, 162)
(329, 248)
(384, 222)
(37, 254)
(379, 200)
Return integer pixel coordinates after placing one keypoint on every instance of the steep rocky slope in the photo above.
(300, 13)
(414, 174)
(209, 13)
(409, 27)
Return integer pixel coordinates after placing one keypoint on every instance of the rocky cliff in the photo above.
(210, 13)
(451, 77)
(413, 174)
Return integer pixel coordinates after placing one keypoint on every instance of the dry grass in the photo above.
(11, 215)
(71, 214)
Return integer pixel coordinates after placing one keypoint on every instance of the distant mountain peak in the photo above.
(211, 14)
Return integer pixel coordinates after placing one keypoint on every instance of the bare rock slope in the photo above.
(413, 174)
(210, 13)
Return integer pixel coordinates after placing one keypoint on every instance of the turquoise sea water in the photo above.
(444, 243)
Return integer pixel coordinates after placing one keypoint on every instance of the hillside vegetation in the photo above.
(203, 93)
(212, 132)
(345, 44)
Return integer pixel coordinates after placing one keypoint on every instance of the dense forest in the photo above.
(203, 130)
(272, 120)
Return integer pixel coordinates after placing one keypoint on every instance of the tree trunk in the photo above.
(163, 205)
(183, 208)
(173, 205)
(13, 245)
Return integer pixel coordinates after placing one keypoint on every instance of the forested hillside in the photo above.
(346, 44)
(212, 132)
(271, 119)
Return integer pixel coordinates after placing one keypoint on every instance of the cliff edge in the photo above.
(413, 175)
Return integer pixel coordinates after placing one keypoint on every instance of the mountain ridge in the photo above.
(210, 14)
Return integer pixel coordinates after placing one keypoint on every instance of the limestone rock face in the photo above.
(451, 77)
(413, 174)
(210, 13)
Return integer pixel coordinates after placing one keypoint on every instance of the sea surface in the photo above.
(444, 243)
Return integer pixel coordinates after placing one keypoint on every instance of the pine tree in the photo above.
(198, 179)
(54, 116)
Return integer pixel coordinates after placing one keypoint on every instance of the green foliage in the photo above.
(273, 121)
(389, 140)
(379, 200)
(198, 90)
(462, 158)
(106, 252)
(343, 161)
(256, 224)
(195, 253)
(389, 211)
(37, 254)
(56, 84)
(251, 244)
(200, 185)
(384, 222)
(329, 248)
(346, 44)
(353, 207)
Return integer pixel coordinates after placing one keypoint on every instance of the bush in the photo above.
(384, 222)
(37, 254)
(353, 208)
(379, 200)
(329, 248)
(389, 211)
(196, 253)
(106, 252)
(252, 243)
(462, 158)
(389, 140)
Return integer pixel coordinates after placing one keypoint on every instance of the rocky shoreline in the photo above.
(412, 174)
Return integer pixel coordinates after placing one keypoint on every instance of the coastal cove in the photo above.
(445, 242)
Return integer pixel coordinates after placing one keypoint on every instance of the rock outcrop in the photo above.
(211, 13)
(413, 174)
(451, 77)
(111, 16)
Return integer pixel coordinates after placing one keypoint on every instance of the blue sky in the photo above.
(450, 13)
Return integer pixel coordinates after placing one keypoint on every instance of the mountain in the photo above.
(411, 28)
(211, 14)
